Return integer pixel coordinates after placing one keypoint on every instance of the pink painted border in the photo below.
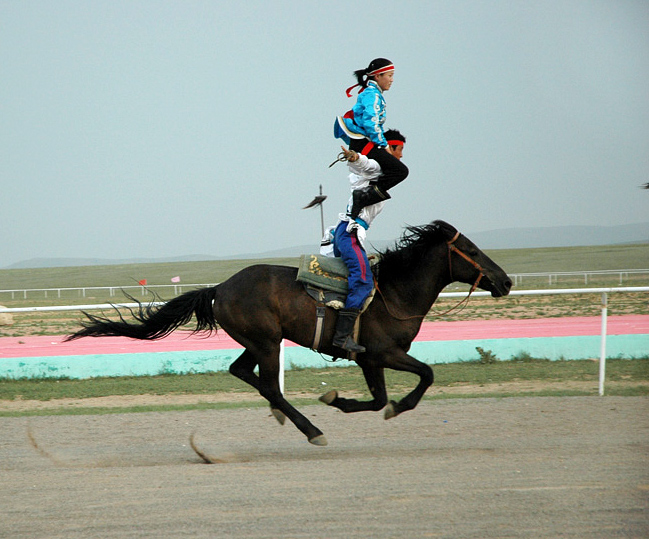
(44, 346)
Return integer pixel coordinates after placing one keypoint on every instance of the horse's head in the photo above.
(468, 264)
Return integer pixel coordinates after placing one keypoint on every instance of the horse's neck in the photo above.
(420, 286)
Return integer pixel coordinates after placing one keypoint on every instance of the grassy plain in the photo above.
(57, 281)
(513, 261)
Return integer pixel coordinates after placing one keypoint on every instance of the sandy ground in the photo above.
(462, 468)
(123, 401)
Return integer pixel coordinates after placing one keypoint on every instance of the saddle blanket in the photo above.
(323, 272)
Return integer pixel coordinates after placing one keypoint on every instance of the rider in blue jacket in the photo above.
(362, 129)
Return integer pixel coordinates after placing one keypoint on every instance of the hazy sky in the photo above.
(162, 128)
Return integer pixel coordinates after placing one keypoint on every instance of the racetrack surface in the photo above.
(471, 468)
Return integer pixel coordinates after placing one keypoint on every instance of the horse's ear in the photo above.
(448, 231)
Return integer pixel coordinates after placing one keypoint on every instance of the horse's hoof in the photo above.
(390, 411)
(329, 397)
(318, 440)
(279, 415)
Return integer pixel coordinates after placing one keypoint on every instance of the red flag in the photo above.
(142, 282)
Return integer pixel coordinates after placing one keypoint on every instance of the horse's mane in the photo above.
(411, 247)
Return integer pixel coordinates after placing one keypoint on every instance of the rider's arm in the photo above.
(360, 164)
(364, 166)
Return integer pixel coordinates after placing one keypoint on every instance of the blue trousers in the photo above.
(360, 280)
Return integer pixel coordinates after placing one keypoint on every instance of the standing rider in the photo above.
(347, 239)
(362, 129)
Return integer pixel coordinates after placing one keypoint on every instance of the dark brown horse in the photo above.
(263, 304)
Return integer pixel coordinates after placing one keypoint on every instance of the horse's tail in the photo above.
(155, 322)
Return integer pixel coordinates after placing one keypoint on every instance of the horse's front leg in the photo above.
(403, 362)
(375, 382)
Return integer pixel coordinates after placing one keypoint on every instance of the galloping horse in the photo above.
(263, 304)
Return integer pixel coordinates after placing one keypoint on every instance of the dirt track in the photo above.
(519, 467)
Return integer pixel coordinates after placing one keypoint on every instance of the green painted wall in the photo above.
(554, 348)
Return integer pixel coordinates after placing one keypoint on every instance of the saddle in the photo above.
(325, 280)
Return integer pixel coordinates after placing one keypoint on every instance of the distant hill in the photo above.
(561, 236)
(512, 238)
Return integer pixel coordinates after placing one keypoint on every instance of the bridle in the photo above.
(454, 249)
(451, 249)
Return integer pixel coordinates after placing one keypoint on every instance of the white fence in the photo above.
(603, 291)
(83, 292)
(552, 278)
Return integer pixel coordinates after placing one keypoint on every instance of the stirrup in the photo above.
(350, 345)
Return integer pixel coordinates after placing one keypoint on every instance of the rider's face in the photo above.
(384, 80)
(397, 151)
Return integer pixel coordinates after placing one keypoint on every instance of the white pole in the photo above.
(281, 366)
(602, 355)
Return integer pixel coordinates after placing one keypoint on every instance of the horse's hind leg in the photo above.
(267, 383)
(375, 379)
(244, 369)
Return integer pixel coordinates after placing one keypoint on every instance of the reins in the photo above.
(387, 307)
(451, 248)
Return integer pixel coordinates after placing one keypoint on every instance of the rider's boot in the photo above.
(344, 329)
(366, 197)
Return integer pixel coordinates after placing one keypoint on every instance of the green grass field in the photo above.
(563, 259)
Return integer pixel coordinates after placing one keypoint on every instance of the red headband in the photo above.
(378, 71)
(395, 142)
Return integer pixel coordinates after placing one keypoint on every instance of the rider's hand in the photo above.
(350, 155)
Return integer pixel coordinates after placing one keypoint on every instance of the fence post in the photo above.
(281, 367)
(602, 355)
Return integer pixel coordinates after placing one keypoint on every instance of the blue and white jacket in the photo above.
(366, 118)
